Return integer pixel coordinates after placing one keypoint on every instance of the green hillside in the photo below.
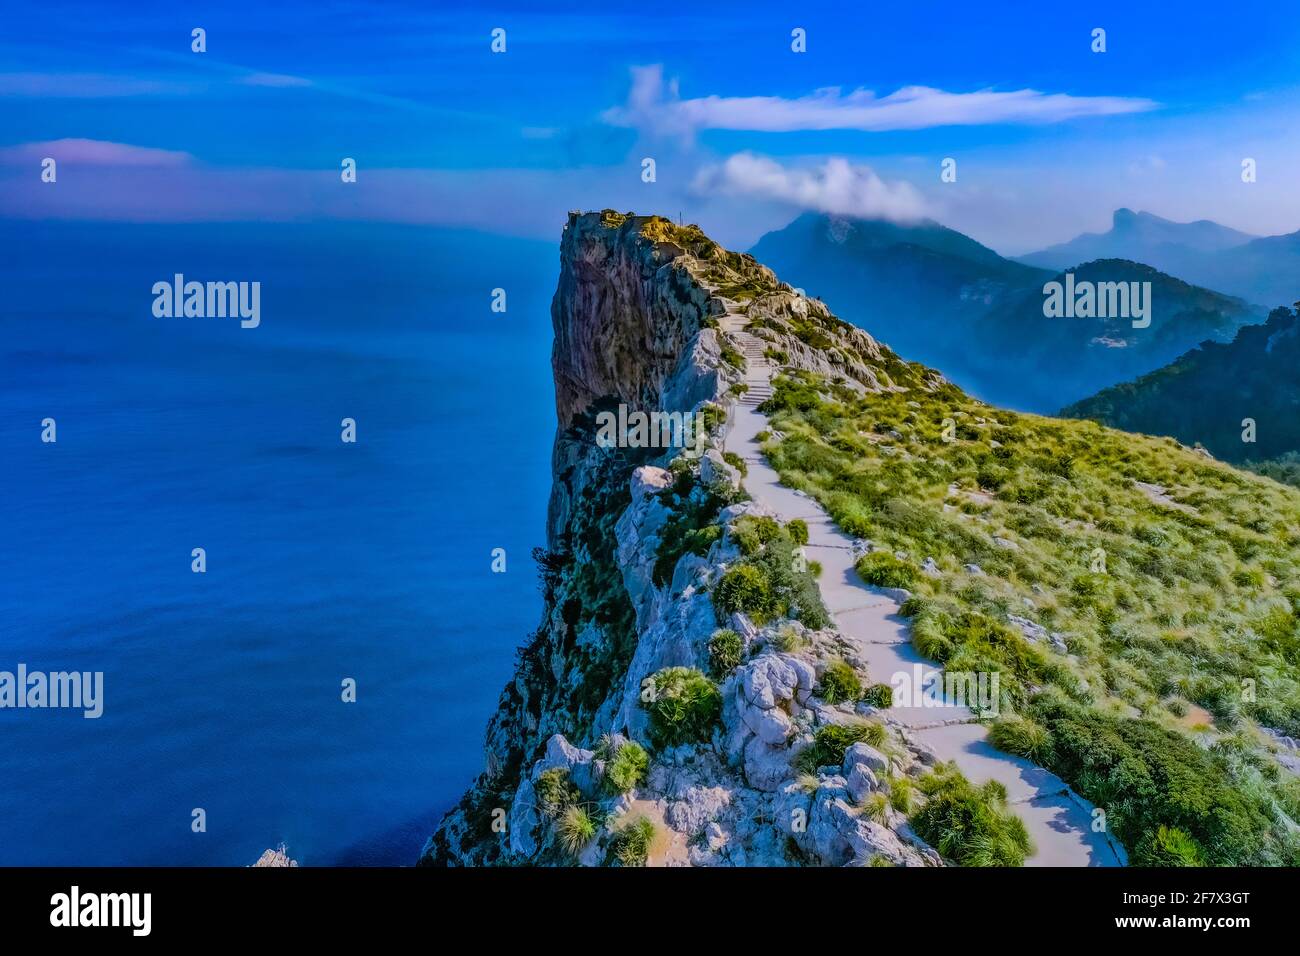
(1138, 599)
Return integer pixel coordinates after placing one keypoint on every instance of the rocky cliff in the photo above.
(645, 722)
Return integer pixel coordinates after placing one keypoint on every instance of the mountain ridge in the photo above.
(693, 695)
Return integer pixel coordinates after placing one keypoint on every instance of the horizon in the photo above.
(1048, 142)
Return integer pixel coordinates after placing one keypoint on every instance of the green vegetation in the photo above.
(1202, 396)
(969, 825)
(736, 462)
(886, 571)
(832, 741)
(1022, 737)
(879, 695)
(902, 794)
(839, 683)
(574, 829)
(690, 530)
(733, 357)
(1172, 579)
(726, 651)
(555, 791)
(625, 765)
(768, 583)
(630, 845)
(1148, 777)
(684, 706)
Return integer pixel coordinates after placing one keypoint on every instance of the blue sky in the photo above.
(1049, 137)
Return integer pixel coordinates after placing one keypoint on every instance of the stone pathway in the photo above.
(1059, 821)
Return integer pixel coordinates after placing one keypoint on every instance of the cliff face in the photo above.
(639, 540)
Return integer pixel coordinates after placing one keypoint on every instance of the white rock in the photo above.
(861, 782)
(864, 753)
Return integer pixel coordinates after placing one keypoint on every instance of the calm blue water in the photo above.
(325, 560)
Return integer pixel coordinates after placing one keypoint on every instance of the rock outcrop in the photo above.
(639, 540)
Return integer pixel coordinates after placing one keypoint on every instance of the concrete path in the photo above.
(1059, 821)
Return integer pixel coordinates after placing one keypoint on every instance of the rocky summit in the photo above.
(638, 541)
(747, 610)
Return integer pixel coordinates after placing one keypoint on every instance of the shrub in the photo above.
(746, 588)
(626, 768)
(1022, 737)
(752, 533)
(684, 707)
(886, 571)
(874, 806)
(630, 845)
(680, 539)
(840, 683)
(736, 462)
(1170, 846)
(902, 794)
(1148, 776)
(787, 639)
(929, 640)
(575, 829)
(798, 529)
(969, 825)
(726, 650)
(555, 791)
(832, 741)
(879, 695)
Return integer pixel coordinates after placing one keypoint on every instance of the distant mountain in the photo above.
(944, 299)
(1142, 237)
(1263, 271)
(1206, 394)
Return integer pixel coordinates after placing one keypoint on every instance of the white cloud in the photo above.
(836, 186)
(94, 152)
(656, 106)
(276, 80)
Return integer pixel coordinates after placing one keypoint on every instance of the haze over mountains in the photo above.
(939, 297)
(1264, 271)
(1207, 395)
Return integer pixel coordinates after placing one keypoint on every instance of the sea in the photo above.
(326, 681)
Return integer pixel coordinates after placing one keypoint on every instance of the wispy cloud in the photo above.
(93, 152)
(836, 186)
(276, 80)
(656, 106)
(86, 85)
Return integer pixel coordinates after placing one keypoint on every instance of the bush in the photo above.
(832, 741)
(631, 843)
(752, 533)
(726, 650)
(1022, 737)
(969, 825)
(736, 462)
(746, 588)
(555, 791)
(575, 829)
(839, 683)
(1170, 846)
(684, 707)
(798, 529)
(879, 695)
(884, 570)
(1148, 777)
(902, 794)
(626, 768)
